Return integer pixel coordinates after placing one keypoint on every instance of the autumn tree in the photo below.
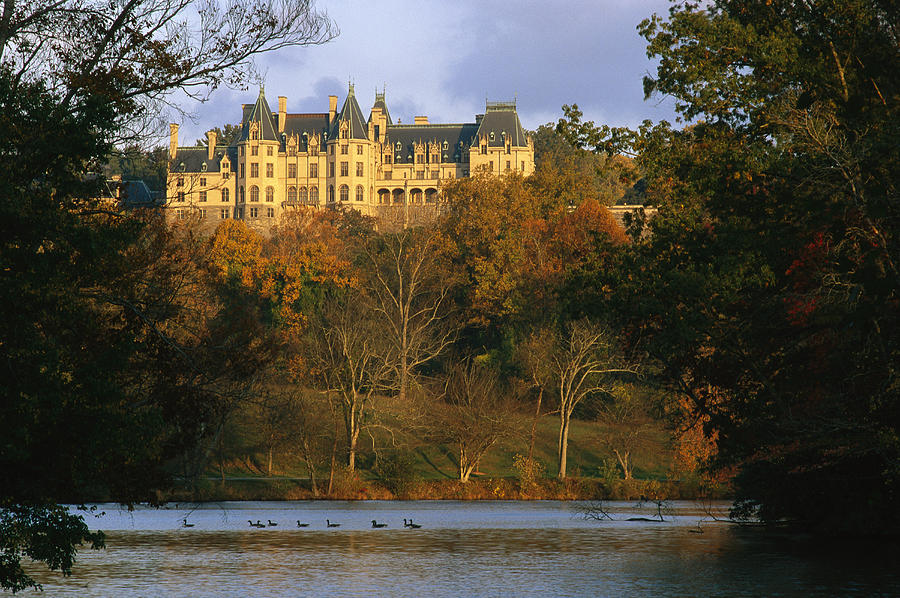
(410, 283)
(513, 249)
(568, 173)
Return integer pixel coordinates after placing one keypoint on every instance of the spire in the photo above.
(261, 114)
(352, 115)
(381, 103)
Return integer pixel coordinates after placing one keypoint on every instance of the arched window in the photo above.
(241, 194)
(270, 194)
(304, 195)
(314, 195)
(360, 193)
(225, 195)
(254, 193)
(292, 195)
(330, 193)
(345, 193)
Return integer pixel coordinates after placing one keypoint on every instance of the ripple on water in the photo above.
(465, 549)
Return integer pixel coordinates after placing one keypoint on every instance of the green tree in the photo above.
(768, 286)
(107, 379)
(224, 134)
(133, 162)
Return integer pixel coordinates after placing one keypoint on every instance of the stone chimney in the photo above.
(173, 140)
(282, 112)
(332, 108)
(211, 140)
(420, 120)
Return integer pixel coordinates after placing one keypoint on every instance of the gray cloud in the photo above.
(555, 53)
(443, 59)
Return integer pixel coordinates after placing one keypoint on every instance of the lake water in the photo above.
(484, 548)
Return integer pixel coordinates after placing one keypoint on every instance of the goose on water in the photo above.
(302, 524)
(184, 523)
(330, 524)
(375, 524)
(272, 523)
(257, 524)
(411, 524)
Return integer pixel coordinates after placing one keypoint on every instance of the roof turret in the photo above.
(261, 115)
(380, 103)
(351, 117)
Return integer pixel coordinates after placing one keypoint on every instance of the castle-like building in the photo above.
(279, 161)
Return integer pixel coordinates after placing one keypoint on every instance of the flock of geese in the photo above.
(328, 523)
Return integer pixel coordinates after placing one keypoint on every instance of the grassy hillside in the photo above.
(404, 464)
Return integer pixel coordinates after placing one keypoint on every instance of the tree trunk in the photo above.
(331, 469)
(404, 373)
(269, 462)
(466, 466)
(563, 442)
(537, 414)
(310, 467)
(351, 457)
(624, 463)
(351, 420)
(334, 430)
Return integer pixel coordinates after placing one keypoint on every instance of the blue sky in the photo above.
(443, 59)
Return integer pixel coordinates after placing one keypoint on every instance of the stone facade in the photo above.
(279, 161)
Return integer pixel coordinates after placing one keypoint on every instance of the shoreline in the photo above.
(290, 489)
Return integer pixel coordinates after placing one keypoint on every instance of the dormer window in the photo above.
(492, 135)
(203, 167)
(445, 145)
(399, 146)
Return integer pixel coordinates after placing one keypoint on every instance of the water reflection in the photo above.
(464, 549)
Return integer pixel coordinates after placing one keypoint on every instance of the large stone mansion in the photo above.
(279, 161)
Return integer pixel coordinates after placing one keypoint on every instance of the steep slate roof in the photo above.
(261, 113)
(351, 113)
(457, 137)
(310, 124)
(194, 158)
(500, 117)
(380, 103)
(136, 194)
